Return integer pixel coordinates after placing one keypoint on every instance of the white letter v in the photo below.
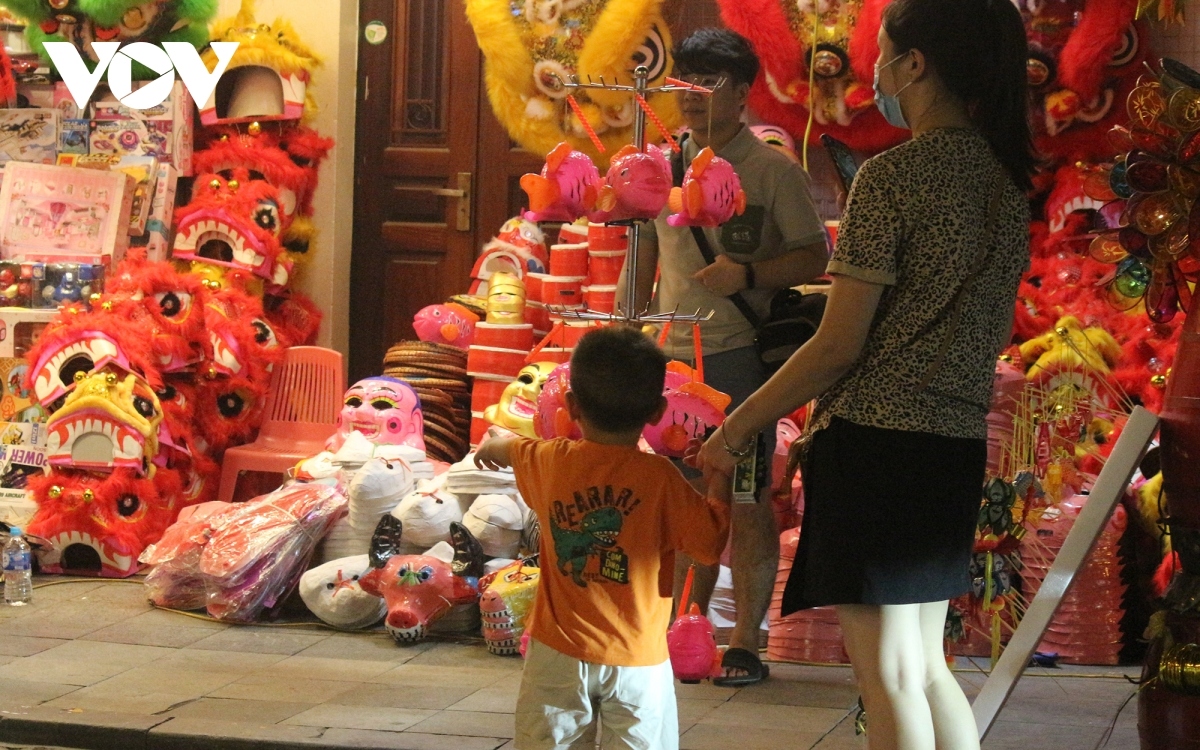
(67, 60)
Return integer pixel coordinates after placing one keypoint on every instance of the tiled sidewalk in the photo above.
(91, 665)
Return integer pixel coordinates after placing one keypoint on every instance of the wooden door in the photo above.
(415, 170)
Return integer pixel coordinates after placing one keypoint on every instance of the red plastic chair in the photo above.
(301, 413)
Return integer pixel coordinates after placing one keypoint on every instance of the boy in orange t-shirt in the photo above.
(612, 518)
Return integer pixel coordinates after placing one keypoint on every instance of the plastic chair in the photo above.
(301, 413)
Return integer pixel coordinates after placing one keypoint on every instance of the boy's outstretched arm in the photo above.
(495, 454)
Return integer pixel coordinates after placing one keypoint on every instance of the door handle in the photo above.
(462, 193)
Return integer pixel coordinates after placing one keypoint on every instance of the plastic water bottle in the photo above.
(18, 573)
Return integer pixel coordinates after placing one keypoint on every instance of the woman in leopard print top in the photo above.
(931, 248)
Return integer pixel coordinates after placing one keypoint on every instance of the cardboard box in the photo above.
(73, 137)
(16, 283)
(20, 328)
(164, 132)
(52, 213)
(22, 453)
(51, 96)
(59, 283)
(144, 171)
(157, 238)
(28, 135)
(17, 403)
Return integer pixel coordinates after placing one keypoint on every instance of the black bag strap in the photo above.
(960, 298)
(677, 172)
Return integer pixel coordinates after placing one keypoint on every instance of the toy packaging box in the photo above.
(143, 170)
(73, 137)
(52, 213)
(20, 328)
(17, 403)
(54, 96)
(28, 135)
(22, 453)
(164, 132)
(17, 282)
(56, 284)
(157, 237)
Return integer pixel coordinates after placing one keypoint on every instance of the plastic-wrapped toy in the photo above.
(637, 186)
(419, 589)
(553, 420)
(692, 407)
(518, 405)
(332, 593)
(566, 189)
(384, 410)
(450, 324)
(711, 193)
(251, 556)
(505, 604)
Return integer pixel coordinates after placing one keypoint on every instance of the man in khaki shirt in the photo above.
(778, 242)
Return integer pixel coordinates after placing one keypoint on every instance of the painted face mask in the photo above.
(506, 300)
(889, 104)
(331, 592)
(519, 403)
(384, 410)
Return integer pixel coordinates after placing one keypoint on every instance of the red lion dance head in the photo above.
(834, 44)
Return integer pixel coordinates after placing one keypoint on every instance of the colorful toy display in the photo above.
(710, 195)
(419, 589)
(531, 50)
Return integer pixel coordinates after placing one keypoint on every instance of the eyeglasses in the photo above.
(704, 80)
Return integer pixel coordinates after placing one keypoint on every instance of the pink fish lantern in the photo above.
(450, 324)
(637, 186)
(711, 193)
(692, 647)
(692, 408)
(553, 420)
(566, 189)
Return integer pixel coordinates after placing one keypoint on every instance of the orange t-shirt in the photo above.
(611, 518)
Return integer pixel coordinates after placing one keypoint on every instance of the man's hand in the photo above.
(494, 454)
(724, 277)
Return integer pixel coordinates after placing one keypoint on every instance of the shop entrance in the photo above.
(435, 173)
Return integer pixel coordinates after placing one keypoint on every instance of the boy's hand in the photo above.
(493, 455)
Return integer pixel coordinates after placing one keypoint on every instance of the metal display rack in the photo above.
(627, 311)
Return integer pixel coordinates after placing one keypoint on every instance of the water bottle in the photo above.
(18, 573)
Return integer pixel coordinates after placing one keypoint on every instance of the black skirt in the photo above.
(889, 517)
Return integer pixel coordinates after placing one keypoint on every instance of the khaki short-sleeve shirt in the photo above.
(780, 217)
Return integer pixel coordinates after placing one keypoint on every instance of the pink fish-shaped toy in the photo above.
(690, 642)
(566, 189)
(446, 324)
(692, 407)
(637, 186)
(711, 193)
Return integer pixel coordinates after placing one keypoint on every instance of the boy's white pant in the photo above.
(560, 698)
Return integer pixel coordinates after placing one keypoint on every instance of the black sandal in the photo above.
(748, 662)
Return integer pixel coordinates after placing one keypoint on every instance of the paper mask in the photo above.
(383, 410)
(428, 513)
(496, 521)
(505, 604)
(332, 593)
(505, 300)
(518, 405)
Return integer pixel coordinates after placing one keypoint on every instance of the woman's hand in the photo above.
(711, 457)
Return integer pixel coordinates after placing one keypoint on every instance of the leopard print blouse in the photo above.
(914, 221)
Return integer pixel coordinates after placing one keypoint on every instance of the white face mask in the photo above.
(889, 105)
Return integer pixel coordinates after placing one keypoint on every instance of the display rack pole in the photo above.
(629, 312)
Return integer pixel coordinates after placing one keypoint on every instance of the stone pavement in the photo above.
(92, 665)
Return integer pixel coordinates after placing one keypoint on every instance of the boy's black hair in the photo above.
(712, 51)
(617, 377)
